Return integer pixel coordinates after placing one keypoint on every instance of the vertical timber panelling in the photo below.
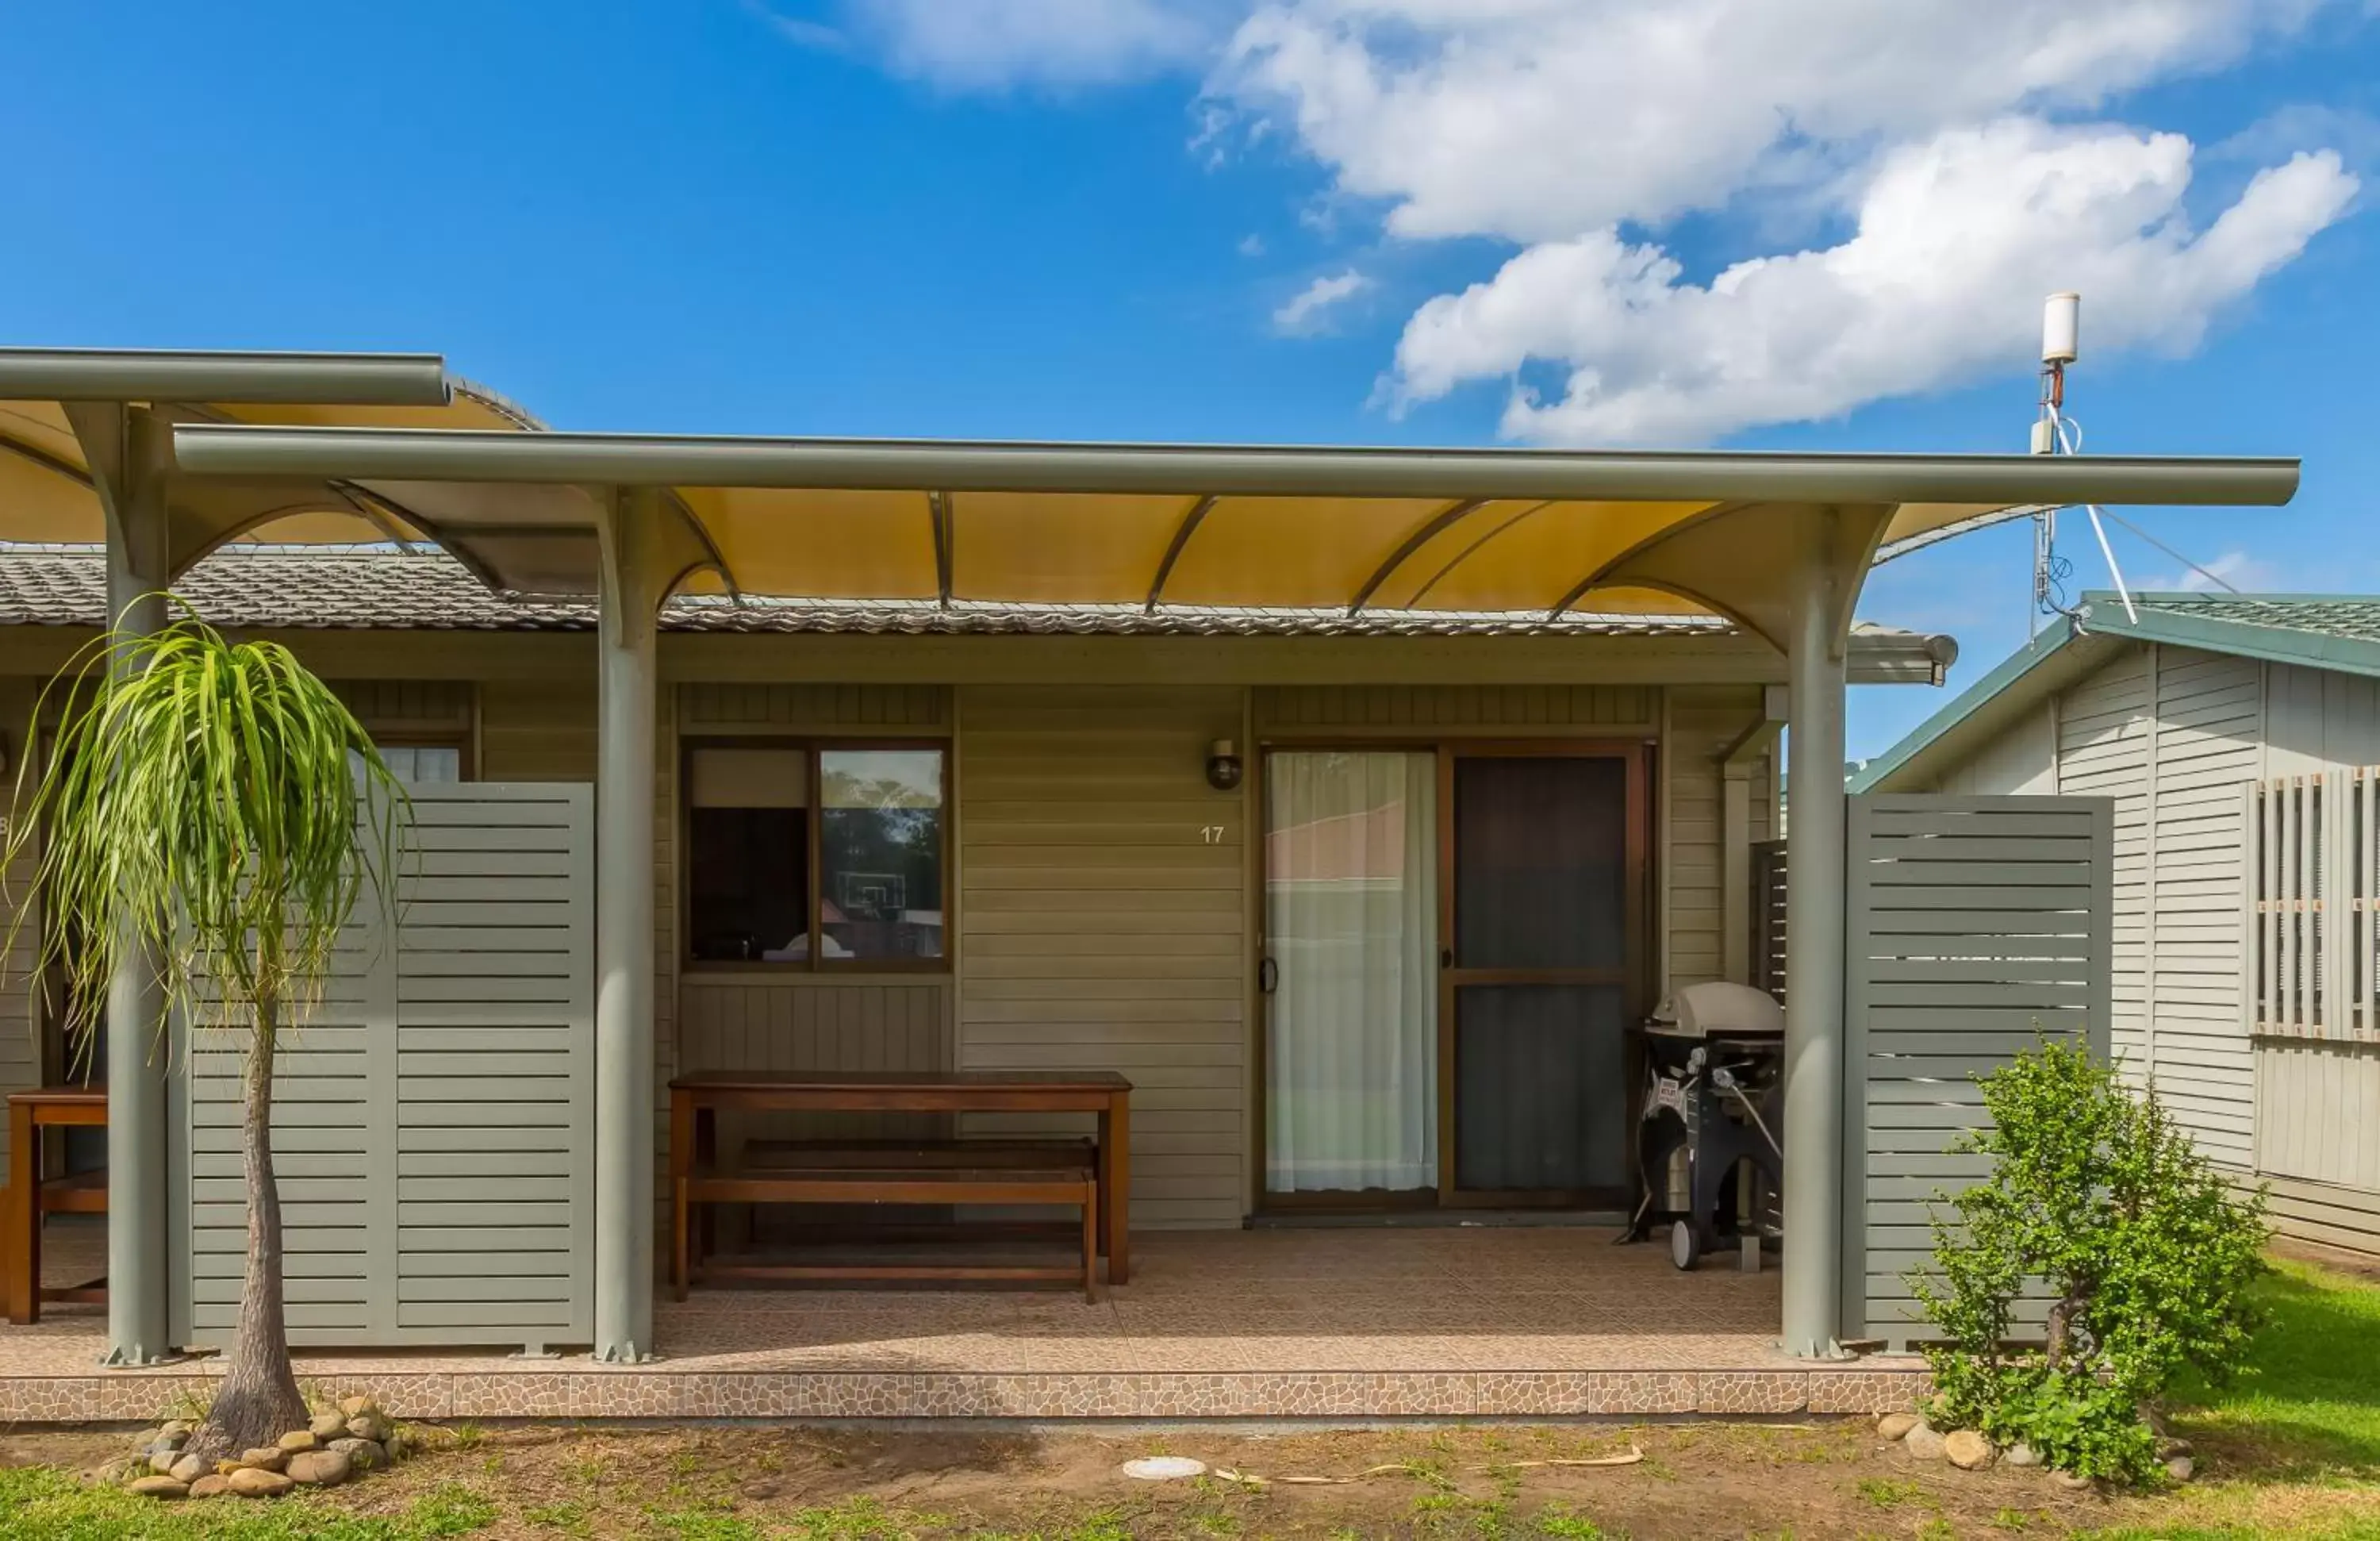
(1103, 908)
(432, 1115)
(2103, 751)
(1974, 924)
(2204, 749)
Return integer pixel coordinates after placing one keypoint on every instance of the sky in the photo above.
(1757, 223)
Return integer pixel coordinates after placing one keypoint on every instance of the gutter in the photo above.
(254, 379)
(637, 459)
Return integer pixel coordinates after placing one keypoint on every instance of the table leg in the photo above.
(681, 1167)
(1115, 1184)
(22, 1288)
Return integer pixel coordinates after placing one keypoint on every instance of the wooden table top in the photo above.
(900, 1081)
(62, 1096)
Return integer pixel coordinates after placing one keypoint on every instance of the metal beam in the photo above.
(1445, 519)
(631, 459)
(938, 505)
(261, 379)
(125, 449)
(1813, 941)
(1189, 527)
(632, 577)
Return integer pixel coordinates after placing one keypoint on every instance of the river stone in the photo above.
(161, 1487)
(210, 1485)
(1893, 1425)
(319, 1468)
(1968, 1451)
(264, 1458)
(2020, 1454)
(160, 1462)
(189, 1468)
(327, 1427)
(1923, 1441)
(2180, 1467)
(178, 1431)
(2075, 1481)
(367, 1426)
(255, 1482)
(363, 1455)
(356, 1407)
(298, 1440)
(399, 1445)
(2167, 1448)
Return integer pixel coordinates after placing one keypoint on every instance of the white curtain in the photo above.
(1351, 922)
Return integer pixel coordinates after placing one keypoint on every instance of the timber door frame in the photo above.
(1633, 976)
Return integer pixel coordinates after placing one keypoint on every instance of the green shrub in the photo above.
(2147, 1255)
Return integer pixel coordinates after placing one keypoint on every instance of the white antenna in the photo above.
(2056, 433)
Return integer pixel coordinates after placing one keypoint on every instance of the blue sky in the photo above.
(1095, 218)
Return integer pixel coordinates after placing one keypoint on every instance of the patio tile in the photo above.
(1461, 1322)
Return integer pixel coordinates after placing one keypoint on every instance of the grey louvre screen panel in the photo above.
(1769, 917)
(433, 1117)
(1975, 923)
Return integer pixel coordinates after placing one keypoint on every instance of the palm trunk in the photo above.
(259, 1401)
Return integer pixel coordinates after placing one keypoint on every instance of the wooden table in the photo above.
(695, 1097)
(32, 1194)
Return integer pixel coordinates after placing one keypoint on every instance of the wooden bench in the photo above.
(1004, 1154)
(33, 1193)
(991, 1171)
(1075, 1185)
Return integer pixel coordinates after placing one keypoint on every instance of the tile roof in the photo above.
(2354, 617)
(350, 588)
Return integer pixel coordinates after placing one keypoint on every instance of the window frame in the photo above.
(811, 748)
(466, 764)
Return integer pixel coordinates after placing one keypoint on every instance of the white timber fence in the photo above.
(433, 1113)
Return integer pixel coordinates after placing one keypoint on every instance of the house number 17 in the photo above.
(1211, 833)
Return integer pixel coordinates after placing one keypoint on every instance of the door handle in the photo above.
(1268, 975)
(1446, 957)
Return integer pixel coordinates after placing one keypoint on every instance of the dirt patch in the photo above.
(1828, 1479)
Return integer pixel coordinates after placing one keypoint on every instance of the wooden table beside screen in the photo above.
(694, 1098)
(32, 1194)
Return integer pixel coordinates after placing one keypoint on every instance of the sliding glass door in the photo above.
(1351, 932)
(1455, 939)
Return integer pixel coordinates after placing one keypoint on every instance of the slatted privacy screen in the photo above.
(1769, 917)
(432, 1114)
(2313, 916)
(1974, 924)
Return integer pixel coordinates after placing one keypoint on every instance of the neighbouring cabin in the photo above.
(2238, 737)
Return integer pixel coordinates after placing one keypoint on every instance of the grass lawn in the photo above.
(2293, 1450)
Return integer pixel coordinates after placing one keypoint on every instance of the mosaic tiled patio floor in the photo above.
(1471, 1322)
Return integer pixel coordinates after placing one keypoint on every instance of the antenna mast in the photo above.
(2056, 433)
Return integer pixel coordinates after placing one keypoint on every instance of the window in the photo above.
(423, 762)
(880, 853)
(808, 856)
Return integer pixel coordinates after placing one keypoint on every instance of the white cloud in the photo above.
(1540, 120)
(980, 44)
(1304, 311)
(1958, 238)
(2249, 574)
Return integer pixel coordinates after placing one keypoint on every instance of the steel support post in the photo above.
(1813, 952)
(629, 605)
(126, 449)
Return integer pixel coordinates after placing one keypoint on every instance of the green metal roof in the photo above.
(2339, 632)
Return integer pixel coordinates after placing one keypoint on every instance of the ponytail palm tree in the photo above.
(201, 810)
